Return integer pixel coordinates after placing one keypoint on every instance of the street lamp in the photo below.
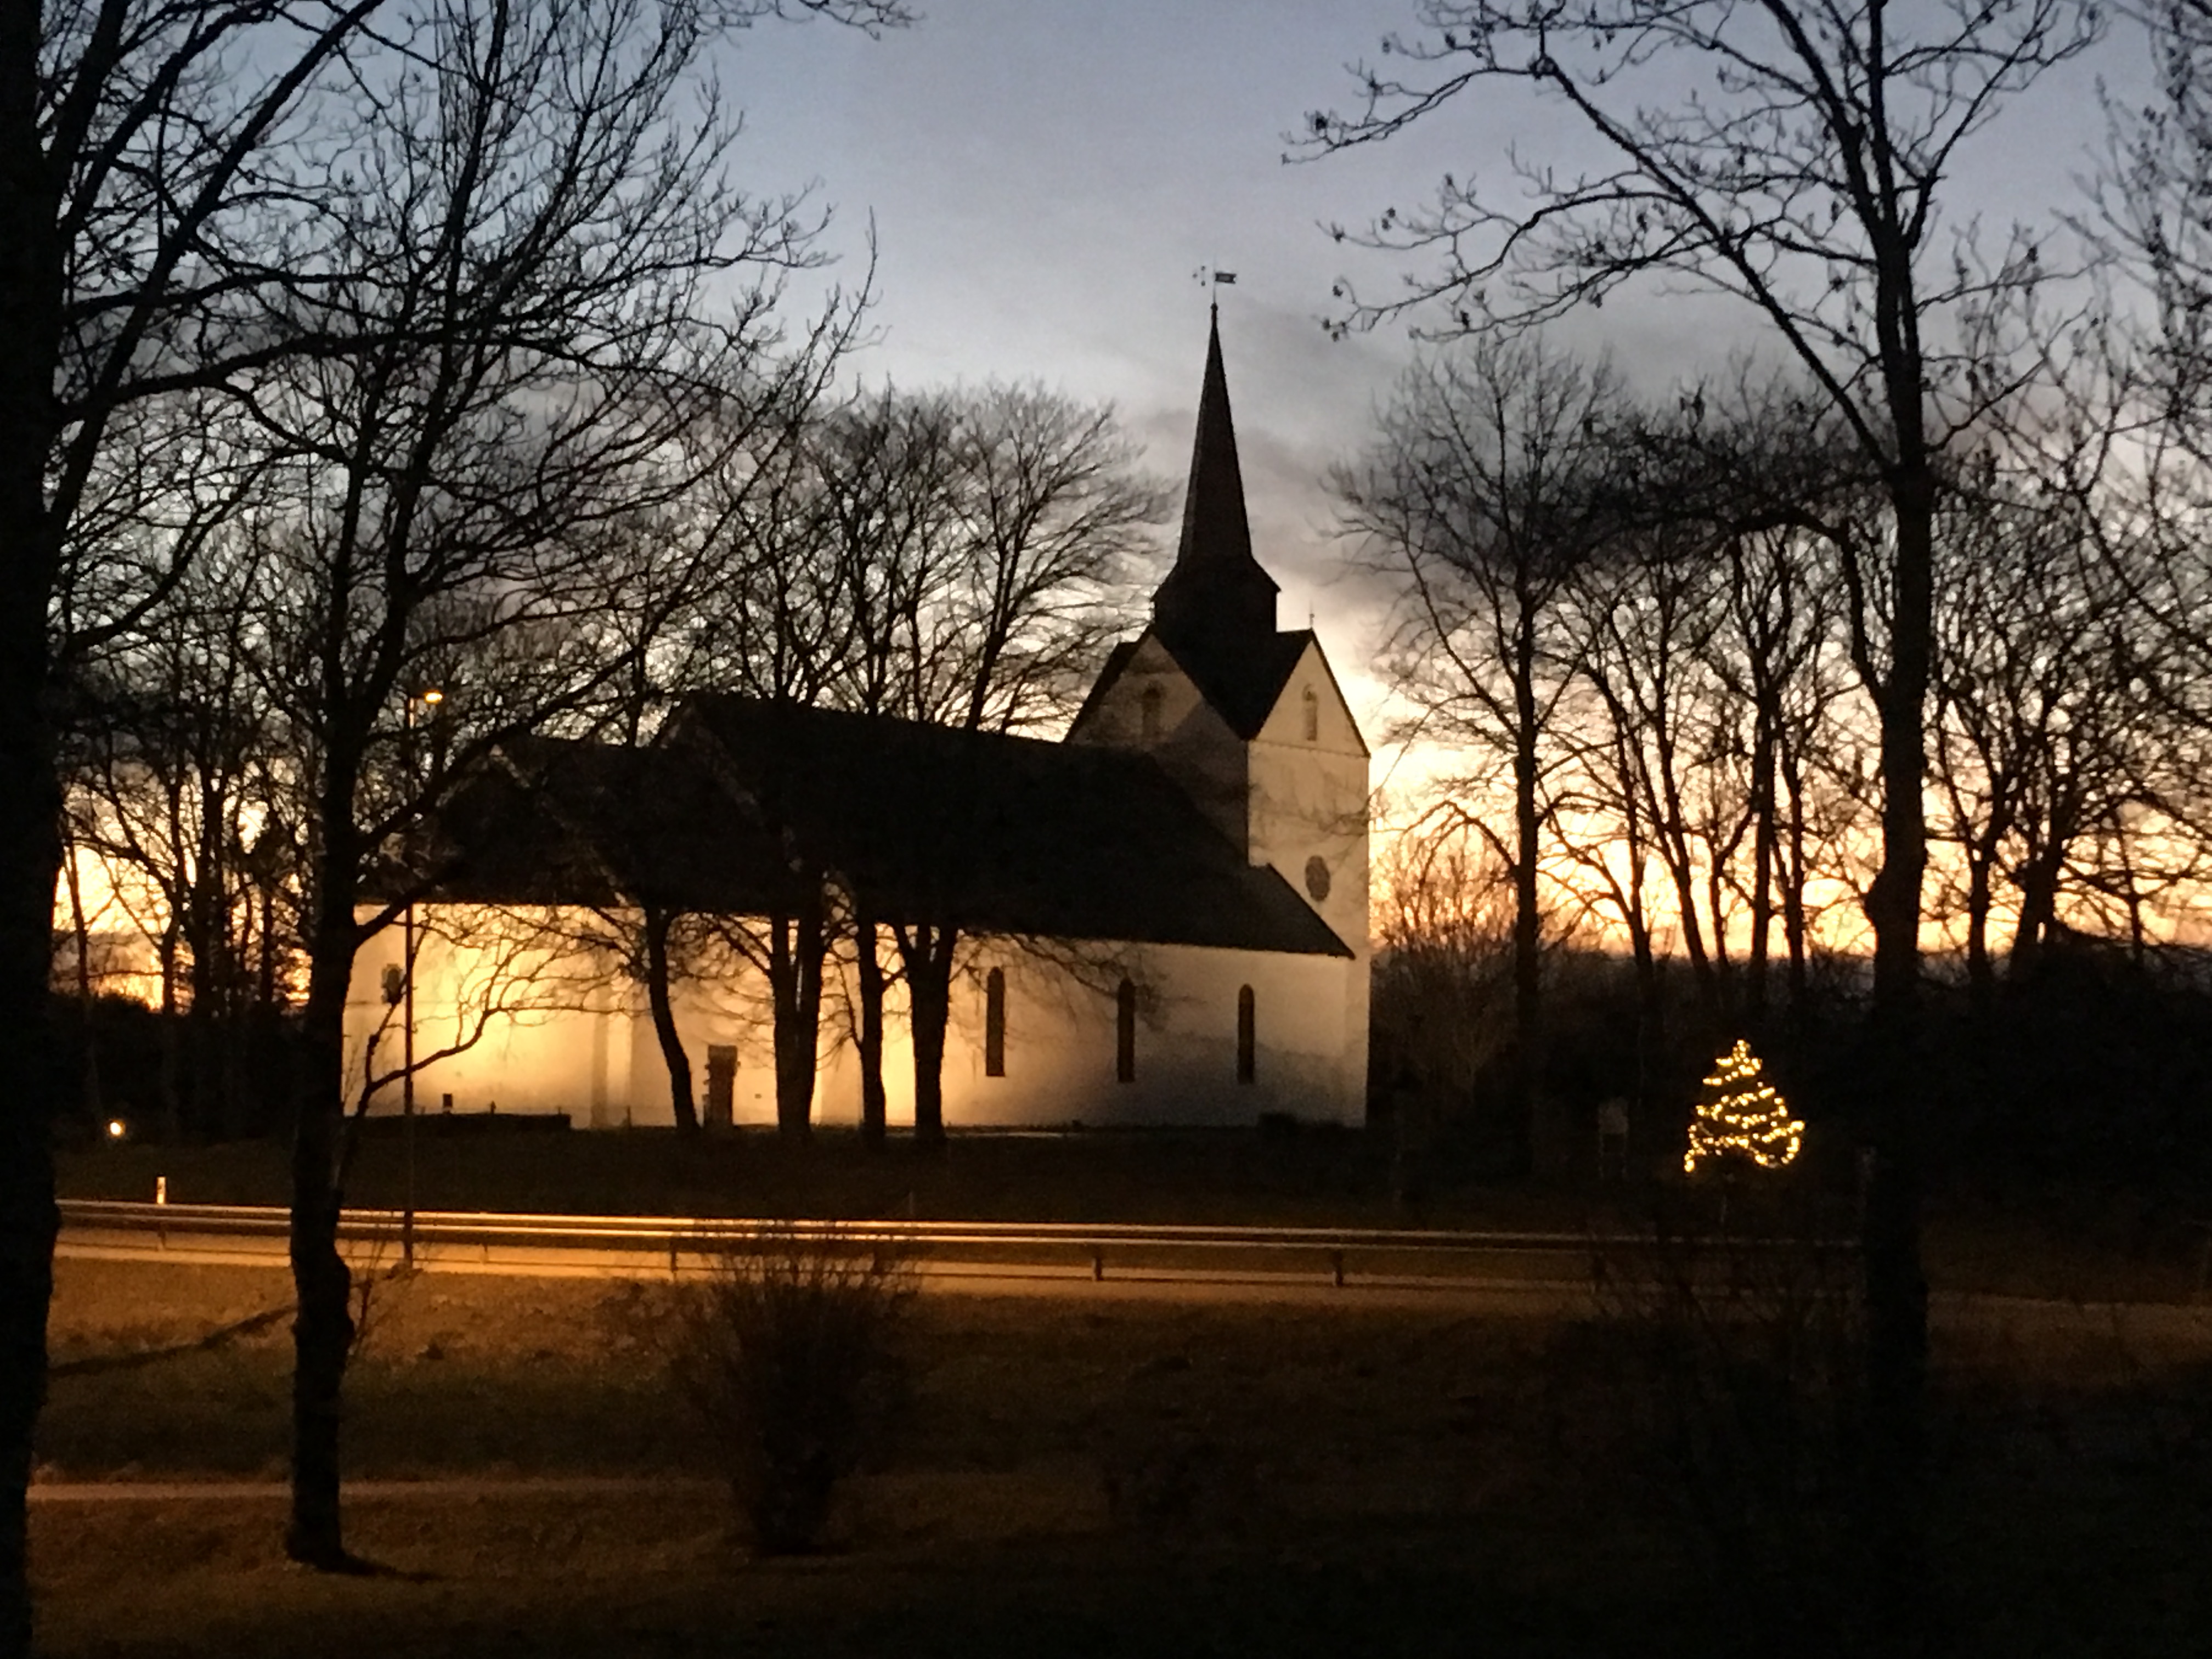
(431, 697)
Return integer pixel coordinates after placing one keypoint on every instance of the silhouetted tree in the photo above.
(986, 539)
(140, 148)
(1805, 183)
(526, 342)
(1482, 496)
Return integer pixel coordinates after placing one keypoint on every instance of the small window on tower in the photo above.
(1151, 713)
(1311, 701)
(995, 1022)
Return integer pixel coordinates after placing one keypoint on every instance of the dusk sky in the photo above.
(1046, 175)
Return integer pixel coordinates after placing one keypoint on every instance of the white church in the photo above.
(1163, 916)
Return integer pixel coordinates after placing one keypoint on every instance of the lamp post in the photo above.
(431, 696)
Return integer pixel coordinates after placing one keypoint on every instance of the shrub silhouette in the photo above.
(787, 1352)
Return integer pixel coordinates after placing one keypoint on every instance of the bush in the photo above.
(787, 1352)
(1744, 1340)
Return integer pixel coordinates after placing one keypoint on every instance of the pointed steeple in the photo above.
(1217, 598)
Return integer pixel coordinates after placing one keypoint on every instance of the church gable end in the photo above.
(1309, 710)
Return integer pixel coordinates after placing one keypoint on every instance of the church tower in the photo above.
(1217, 607)
(1246, 717)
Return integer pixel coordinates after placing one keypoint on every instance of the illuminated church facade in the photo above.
(1164, 916)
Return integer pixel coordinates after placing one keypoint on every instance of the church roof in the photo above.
(1243, 688)
(995, 834)
(1216, 534)
(1004, 834)
(572, 823)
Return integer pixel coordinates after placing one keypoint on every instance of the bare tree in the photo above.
(1443, 972)
(536, 214)
(150, 157)
(134, 141)
(2132, 454)
(167, 735)
(2051, 742)
(1482, 496)
(1734, 506)
(1645, 613)
(987, 572)
(1807, 186)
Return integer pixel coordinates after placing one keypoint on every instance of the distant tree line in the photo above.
(1632, 630)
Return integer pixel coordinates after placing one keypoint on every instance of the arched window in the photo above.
(1310, 700)
(1150, 705)
(1248, 1034)
(995, 1022)
(1125, 1032)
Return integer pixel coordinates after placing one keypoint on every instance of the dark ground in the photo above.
(1080, 1478)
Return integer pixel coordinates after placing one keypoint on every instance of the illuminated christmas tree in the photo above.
(1740, 1115)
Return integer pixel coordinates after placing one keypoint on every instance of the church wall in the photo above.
(1308, 801)
(567, 1036)
(1062, 1037)
(538, 1026)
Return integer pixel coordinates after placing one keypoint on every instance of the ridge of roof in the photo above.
(1116, 661)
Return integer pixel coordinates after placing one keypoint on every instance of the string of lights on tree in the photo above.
(1741, 1116)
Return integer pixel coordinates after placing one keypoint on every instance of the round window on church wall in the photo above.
(1317, 877)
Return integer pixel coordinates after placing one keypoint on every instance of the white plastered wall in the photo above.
(593, 1054)
(1307, 800)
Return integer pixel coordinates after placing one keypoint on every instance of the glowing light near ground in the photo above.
(1742, 1115)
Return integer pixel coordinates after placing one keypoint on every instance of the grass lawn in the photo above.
(1076, 1477)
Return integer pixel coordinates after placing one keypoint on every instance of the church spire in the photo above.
(1217, 595)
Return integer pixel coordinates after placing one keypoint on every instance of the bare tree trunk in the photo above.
(926, 953)
(681, 1099)
(1896, 1283)
(172, 1112)
(1528, 942)
(29, 855)
(1793, 922)
(1763, 848)
(1981, 972)
(2038, 908)
(323, 1329)
(2038, 887)
(875, 1114)
(89, 1082)
(30, 797)
(795, 948)
(265, 989)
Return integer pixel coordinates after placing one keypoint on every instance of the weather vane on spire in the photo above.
(1215, 280)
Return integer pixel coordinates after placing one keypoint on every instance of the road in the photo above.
(1529, 1274)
